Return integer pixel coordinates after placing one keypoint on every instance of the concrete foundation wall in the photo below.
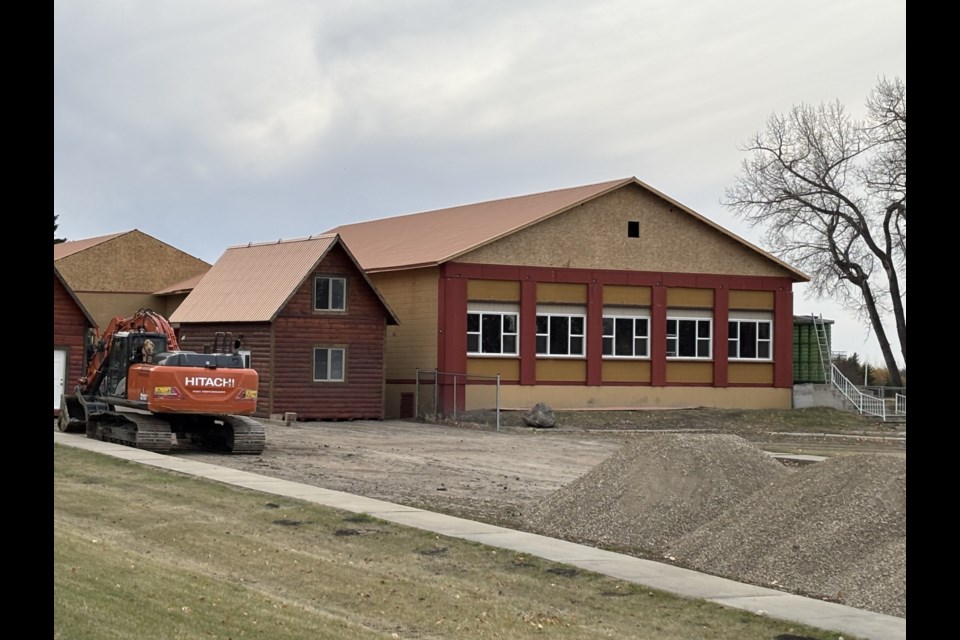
(817, 395)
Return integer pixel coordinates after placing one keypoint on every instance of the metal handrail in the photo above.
(864, 403)
(900, 406)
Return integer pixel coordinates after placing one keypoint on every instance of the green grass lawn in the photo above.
(149, 554)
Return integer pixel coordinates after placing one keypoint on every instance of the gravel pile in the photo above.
(834, 530)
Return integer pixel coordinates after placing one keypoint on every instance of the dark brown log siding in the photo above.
(69, 332)
(282, 353)
(360, 330)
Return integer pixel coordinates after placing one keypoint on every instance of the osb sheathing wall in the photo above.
(131, 263)
(413, 343)
(119, 276)
(594, 236)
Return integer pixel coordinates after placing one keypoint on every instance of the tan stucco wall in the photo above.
(751, 300)
(493, 290)
(594, 236)
(750, 373)
(561, 293)
(685, 372)
(506, 368)
(561, 370)
(690, 298)
(571, 397)
(413, 343)
(614, 294)
(626, 371)
(104, 307)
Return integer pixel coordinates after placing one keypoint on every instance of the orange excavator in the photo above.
(142, 391)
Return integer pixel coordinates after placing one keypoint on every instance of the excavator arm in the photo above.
(144, 321)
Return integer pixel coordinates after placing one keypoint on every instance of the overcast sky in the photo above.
(212, 123)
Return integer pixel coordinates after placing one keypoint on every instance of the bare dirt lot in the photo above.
(651, 483)
(471, 469)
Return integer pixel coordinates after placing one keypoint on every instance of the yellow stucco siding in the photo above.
(689, 372)
(678, 297)
(518, 397)
(104, 307)
(614, 294)
(563, 293)
(625, 371)
(750, 373)
(493, 291)
(751, 300)
(413, 297)
(594, 236)
(506, 368)
(561, 370)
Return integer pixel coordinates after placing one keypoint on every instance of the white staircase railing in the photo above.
(865, 403)
(900, 407)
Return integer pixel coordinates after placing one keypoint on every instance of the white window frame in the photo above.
(247, 355)
(737, 319)
(490, 310)
(331, 351)
(699, 318)
(570, 313)
(330, 293)
(621, 315)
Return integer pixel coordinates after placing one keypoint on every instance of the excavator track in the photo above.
(248, 435)
(139, 430)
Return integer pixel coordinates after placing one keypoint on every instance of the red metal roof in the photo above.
(434, 237)
(253, 282)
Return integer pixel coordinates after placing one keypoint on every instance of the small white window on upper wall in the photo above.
(330, 294)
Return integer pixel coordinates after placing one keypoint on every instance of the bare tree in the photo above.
(831, 192)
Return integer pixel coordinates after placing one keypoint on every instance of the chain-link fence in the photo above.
(440, 395)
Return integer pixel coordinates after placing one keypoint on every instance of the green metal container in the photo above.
(811, 338)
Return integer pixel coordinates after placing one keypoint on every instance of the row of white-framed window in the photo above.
(626, 334)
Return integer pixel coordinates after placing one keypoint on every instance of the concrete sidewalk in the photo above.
(676, 580)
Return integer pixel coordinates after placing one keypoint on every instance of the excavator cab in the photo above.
(127, 348)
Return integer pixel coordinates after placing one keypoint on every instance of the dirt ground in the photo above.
(470, 468)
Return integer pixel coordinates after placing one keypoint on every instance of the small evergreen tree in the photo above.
(56, 240)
